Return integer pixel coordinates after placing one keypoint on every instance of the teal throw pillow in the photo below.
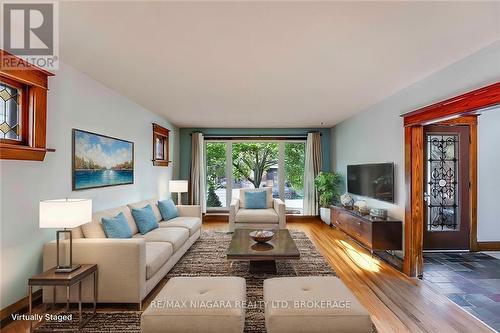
(145, 219)
(255, 200)
(116, 227)
(167, 209)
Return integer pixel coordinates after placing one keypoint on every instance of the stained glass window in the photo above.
(10, 112)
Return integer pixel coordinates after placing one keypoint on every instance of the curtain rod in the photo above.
(256, 136)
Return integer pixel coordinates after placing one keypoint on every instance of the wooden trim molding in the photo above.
(457, 111)
(456, 106)
(473, 184)
(414, 214)
(21, 71)
(34, 84)
(20, 306)
(488, 246)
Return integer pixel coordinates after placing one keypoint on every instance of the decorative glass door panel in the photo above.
(442, 182)
(446, 187)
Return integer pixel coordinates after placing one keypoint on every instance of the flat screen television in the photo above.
(372, 180)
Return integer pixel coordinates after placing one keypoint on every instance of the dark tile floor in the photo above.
(471, 280)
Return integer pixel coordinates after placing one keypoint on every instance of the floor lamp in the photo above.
(178, 186)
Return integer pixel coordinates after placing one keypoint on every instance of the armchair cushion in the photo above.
(167, 209)
(267, 215)
(256, 200)
(269, 195)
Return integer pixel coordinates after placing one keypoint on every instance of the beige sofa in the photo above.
(128, 269)
(273, 216)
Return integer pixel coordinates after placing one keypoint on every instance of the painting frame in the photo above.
(74, 180)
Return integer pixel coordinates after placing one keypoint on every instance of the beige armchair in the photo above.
(272, 217)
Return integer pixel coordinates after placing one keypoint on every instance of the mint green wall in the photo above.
(185, 141)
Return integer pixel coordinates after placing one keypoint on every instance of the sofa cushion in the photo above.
(145, 219)
(268, 215)
(154, 206)
(255, 200)
(174, 236)
(116, 227)
(193, 224)
(338, 309)
(269, 195)
(157, 254)
(94, 229)
(167, 209)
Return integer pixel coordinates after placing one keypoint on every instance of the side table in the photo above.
(51, 278)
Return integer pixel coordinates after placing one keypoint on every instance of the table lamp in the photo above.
(65, 214)
(178, 186)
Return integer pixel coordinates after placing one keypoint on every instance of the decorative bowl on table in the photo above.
(262, 236)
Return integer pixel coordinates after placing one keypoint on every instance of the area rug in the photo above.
(102, 322)
(207, 257)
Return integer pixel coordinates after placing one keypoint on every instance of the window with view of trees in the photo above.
(294, 176)
(216, 174)
(278, 164)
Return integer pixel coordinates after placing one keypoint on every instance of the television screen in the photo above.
(372, 180)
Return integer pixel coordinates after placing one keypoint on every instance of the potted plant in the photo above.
(327, 184)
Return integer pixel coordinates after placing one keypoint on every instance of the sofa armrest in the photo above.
(121, 265)
(189, 210)
(233, 210)
(279, 207)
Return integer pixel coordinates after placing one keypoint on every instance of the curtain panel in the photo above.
(197, 178)
(312, 168)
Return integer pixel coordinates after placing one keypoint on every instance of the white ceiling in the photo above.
(268, 64)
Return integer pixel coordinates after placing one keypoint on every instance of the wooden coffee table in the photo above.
(262, 257)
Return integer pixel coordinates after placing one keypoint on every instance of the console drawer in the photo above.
(374, 234)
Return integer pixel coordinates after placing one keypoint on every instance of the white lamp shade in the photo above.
(178, 186)
(65, 213)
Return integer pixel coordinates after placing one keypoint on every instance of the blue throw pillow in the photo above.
(167, 209)
(116, 227)
(145, 219)
(256, 200)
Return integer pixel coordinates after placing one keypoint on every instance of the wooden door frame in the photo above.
(459, 110)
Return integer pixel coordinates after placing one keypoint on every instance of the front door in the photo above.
(446, 188)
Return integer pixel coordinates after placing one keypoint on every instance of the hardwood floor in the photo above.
(396, 303)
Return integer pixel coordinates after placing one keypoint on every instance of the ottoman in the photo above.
(312, 304)
(197, 304)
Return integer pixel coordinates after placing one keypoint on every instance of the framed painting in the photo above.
(100, 160)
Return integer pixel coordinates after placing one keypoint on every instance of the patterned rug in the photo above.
(207, 257)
